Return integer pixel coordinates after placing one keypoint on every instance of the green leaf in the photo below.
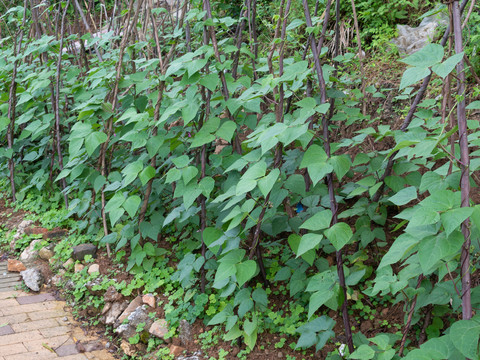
(115, 215)
(202, 138)
(428, 56)
(210, 235)
(210, 81)
(413, 75)
(173, 175)
(131, 205)
(402, 245)
(314, 155)
(307, 103)
(190, 194)
(4, 121)
(115, 202)
(319, 221)
(464, 335)
(318, 299)
(364, 352)
(341, 165)
(244, 186)
(447, 66)
(149, 249)
(131, 171)
(452, 219)
(251, 340)
(474, 105)
(339, 235)
(260, 297)
(227, 130)
(147, 174)
(308, 242)
(245, 271)
(224, 271)
(438, 247)
(266, 184)
(195, 65)
(219, 318)
(189, 173)
(250, 326)
(93, 140)
(181, 161)
(315, 160)
(255, 171)
(404, 196)
(206, 185)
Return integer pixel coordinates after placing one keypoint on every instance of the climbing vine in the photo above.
(257, 160)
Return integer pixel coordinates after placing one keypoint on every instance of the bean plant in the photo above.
(248, 147)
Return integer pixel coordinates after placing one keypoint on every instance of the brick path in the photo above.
(37, 327)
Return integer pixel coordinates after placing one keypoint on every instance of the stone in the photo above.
(131, 308)
(68, 264)
(280, 355)
(15, 265)
(35, 230)
(159, 328)
(80, 251)
(20, 232)
(45, 254)
(69, 285)
(139, 315)
(149, 299)
(30, 254)
(55, 233)
(106, 308)
(94, 268)
(114, 312)
(56, 280)
(112, 295)
(91, 285)
(197, 355)
(176, 350)
(79, 267)
(128, 348)
(185, 332)
(33, 279)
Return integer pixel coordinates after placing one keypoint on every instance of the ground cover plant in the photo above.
(239, 159)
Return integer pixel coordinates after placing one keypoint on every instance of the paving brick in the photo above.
(79, 334)
(6, 330)
(7, 303)
(12, 349)
(55, 331)
(14, 319)
(57, 305)
(18, 338)
(34, 325)
(33, 299)
(66, 350)
(53, 342)
(24, 309)
(75, 357)
(99, 355)
(47, 314)
(32, 356)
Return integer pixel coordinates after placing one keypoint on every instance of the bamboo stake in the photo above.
(331, 191)
(409, 117)
(464, 163)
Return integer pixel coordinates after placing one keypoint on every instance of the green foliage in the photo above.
(202, 215)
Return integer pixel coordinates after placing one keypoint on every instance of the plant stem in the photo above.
(464, 164)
